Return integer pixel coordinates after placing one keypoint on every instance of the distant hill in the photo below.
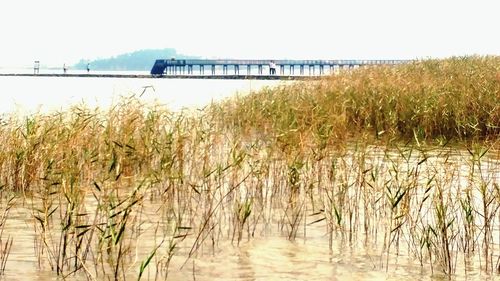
(138, 60)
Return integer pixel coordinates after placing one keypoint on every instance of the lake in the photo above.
(44, 94)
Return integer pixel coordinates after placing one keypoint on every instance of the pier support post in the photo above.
(301, 69)
(224, 69)
(260, 69)
(282, 69)
(321, 69)
(249, 69)
(313, 69)
(202, 69)
(291, 70)
(236, 69)
(213, 69)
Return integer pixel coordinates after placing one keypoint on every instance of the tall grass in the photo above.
(121, 192)
(457, 98)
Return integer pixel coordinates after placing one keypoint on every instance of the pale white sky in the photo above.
(64, 31)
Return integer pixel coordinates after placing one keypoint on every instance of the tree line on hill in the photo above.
(141, 60)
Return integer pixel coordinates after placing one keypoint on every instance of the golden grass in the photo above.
(291, 156)
(452, 99)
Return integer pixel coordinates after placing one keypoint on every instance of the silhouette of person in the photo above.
(88, 67)
(272, 68)
(65, 69)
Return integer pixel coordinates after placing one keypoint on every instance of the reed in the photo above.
(456, 98)
(5, 244)
(118, 193)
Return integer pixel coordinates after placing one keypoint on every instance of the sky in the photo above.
(65, 31)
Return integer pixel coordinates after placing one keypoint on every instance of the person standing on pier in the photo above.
(36, 68)
(88, 68)
(272, 68)
(65, 69)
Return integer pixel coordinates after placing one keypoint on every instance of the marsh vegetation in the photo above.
(404, 160)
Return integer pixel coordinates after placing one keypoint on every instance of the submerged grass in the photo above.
(286, 159)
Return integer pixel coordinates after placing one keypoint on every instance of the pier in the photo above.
(288, 68)
(230, 69)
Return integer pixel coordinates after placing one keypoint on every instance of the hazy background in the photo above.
(57, 31)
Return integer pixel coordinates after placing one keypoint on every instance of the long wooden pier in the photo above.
(166, 67)
(229, 69)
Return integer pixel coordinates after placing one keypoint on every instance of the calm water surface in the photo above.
(42, 94)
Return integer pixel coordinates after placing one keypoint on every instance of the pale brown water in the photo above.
(265, 251)
(267, 257)
(263, 258)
